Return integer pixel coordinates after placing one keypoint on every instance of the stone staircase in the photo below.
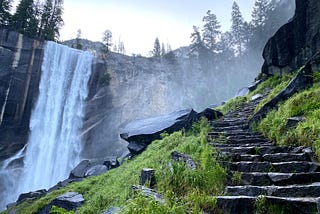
(262, 177)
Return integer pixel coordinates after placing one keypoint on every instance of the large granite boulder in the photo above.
(296, 42)
(87, 168)
(67, 201)
(141, 133)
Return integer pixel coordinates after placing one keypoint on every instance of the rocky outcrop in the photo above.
(301, 81)
(20, 70)
(295, 42)
(141, 133)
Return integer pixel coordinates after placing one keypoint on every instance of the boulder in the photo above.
(31, 195)
(111, 162)
(190, 163)
(141, 133)
(149, 193)
(68, 201)
(112, 210)
(292, 122)
(256, 97)
(80, 170)
(96, 170)
(148, 176)
(296, 42)
(64, 183)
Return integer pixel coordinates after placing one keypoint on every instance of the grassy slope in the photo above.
(185, 190)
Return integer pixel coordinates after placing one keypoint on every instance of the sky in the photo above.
(138, 22)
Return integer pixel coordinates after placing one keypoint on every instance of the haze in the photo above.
(138, 22)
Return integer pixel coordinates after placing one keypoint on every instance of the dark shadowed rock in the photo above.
(96, 170)
(64, 183)
(296, 42)
(300, 82)
(210, 114)
(67, 201)
(31, 195)
(141, 133)
(148, 176)
(190, 163)
(80, 170)
(292, 122)
(111, 162)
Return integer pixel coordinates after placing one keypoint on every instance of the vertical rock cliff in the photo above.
(296, 42)
(20, 70)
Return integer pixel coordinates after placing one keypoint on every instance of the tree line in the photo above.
(209, 42)
(36, 19)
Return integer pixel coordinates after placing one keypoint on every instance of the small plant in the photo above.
(236, 178)
(262, 206)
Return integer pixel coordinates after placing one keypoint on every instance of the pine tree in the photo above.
(107, 40)
(261, 12)
(163, 49)
(156, 48)
(237, 28)
(51, 20)
(5, 15)
(78, 40)
(197, 45)
(211, 32)
(25, 18)
(121, 48)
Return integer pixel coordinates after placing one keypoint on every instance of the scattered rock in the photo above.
(80, 170)
(256, 97)
(210, 114)
(67, 201)
(148, 176)
(149, 193)
(64, 183)
(111, 162)
(177, 156)
(96, 170)
(31, 195)
(292, 122)
(112, 210)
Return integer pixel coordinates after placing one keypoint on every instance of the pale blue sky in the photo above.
(139, 22)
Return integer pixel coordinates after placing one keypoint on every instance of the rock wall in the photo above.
(20, 69)
(295, 42)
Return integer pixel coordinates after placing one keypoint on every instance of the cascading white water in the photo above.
(54, 144)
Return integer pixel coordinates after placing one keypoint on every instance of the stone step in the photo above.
(284, 167)
(227, 123)
(311, 190)
(279, 179)
(246, 204)
(234, 133)
(231, 128)
(273, 158)
(227, 145)
(263, 150)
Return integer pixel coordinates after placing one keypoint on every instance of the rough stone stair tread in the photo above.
(294, 190)
(285, 175)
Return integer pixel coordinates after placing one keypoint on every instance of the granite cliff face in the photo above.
(296, 42)
(20, 70)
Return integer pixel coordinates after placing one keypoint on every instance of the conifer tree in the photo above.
(25, 18)
(156, 48)
(197, 44)
(237, 28)
(211, 31)
(107, 40)
(5, 15)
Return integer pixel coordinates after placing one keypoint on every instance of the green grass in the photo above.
(307, 133)
(185, 190)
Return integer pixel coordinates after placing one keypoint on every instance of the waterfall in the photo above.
(54, 144)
